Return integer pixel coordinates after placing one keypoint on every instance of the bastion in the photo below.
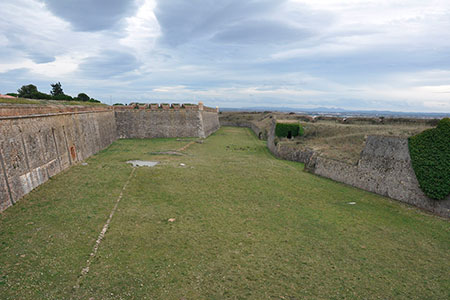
(37, 142)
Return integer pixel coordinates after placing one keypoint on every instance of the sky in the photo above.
(352, 54)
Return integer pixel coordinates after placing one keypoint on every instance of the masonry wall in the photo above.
(157, 124)
(35, 148)
(384, 168)
(37, 142)
(260, 133)
(166, 123)
(210, 119)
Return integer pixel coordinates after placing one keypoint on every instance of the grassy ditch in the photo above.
(244, 225)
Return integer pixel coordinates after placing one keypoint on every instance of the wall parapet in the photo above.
(164, 106)
(20, 110)
(165, 120)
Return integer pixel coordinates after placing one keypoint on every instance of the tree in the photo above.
(27, 91)
(83, 97)
(56, 89)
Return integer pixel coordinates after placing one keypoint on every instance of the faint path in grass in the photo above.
(85, 270)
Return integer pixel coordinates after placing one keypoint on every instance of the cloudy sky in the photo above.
(354, 54)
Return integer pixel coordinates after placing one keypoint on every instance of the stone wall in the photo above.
(35, 148)
(157, 124)
(39, 141)
(9, 110)
(210, 121)
(384, 168)
(258, 131)
(165, 121)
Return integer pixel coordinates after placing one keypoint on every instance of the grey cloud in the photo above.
(182, 21)
(88, 15)
(109, 64)
(41, 58)
(250, 32)
(21, 41)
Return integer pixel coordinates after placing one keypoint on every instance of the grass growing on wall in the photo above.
(48, 102)
(430, 156)
(288, 130)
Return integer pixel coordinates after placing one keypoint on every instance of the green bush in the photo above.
(288, 130)
(62, 97)
(430, 156)
(83, 97)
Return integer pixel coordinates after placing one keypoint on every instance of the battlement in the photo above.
(165, 107)
(138, 120)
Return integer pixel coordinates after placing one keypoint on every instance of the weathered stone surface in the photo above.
(36, 148)
(165, 123)
(260, 133)
(37, 142)
(33, 109)
(384, 168)
(210, 122)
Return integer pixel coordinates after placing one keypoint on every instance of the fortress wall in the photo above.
(142, 124)
(285, 150)
(384, 168)
(9, 110)
(210, 122)
(258, 131)
(35, 148)
(147, 122)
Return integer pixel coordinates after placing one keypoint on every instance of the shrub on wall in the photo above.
(288, 130)
(430, 156)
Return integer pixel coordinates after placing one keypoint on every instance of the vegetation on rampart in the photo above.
(288, 130)
(330, 137)
(47, 102)
(430, 156)
(30, 91)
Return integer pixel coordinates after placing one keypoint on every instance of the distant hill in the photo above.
(335, 111)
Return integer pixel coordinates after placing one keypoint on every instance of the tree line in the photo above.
(30, 91)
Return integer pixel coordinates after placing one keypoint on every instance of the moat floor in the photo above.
(243, 225)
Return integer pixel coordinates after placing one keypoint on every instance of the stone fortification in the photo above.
(260, 133)
(155, 121)
(8, 110)
(37, 141)
(35, 147)
(384, 168)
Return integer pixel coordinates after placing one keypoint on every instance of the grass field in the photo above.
(247, 226)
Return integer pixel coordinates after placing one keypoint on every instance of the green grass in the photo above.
(48, 102)
(248, 226)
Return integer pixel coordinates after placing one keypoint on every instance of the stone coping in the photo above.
(163, 107)
(22, 110)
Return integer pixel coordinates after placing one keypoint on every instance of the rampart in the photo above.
(260, 133)
(37, 141)
(156, 121)
(34, 148)
(383, 168)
